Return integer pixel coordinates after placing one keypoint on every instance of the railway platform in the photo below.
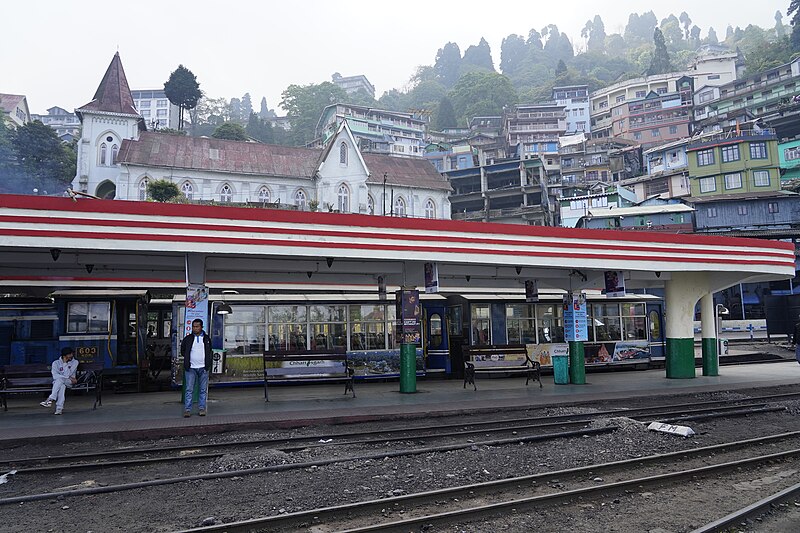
(139, 415)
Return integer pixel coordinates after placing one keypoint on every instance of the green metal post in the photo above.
(408, 368)
(577, 363)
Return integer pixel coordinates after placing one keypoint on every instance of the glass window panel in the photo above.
(549, 324)
(481, 327)
(244, 330)
(98, 317)
(633, 309)
(607, 328)
(635, 328)
(77, 317)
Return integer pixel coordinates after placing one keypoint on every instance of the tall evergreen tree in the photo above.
(711, 38)
(479, 56)
(780, 29)
(259, 129)
(183, 91)
(512, 52)
(448, 64)
(686, 20)
(561, 68)
(794, 12)
(445, 116)
(235, 112)
(247, 107)
(595, 33)
(660, 63)
(264, 112)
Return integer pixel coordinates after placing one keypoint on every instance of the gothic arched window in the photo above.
(103, 156)
(343, 153)
(143, 189)
(343, 199)
(399, 207)
(114, 151)
(300, 199)
(371, 204)
(264, 196)
(225, 194)
(188, 190)
(430, 209)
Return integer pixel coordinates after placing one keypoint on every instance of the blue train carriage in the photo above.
(28, 330)
(107, 326)
(362, 324)
(623, 330)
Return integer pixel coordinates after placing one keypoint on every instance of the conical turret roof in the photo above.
(113, 94)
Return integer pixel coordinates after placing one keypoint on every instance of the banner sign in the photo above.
(531, 291)
(431, 278)
(381, 288)
(615, 283)
(575, 326)
(196, 307)
(409, 317)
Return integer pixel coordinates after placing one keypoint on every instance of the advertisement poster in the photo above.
(575, 325)
(543, 353)
(431, 278)
(531, 291)
(615, 283)
(196, 307)
(628, 350)
(616, 352)
(409, 317)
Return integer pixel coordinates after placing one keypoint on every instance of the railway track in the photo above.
(485, 500)
(462, 443)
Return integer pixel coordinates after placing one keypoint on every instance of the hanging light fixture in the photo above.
(224, 309)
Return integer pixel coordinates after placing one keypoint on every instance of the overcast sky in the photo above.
(56, 51)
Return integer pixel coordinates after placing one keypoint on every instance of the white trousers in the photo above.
(57, 394)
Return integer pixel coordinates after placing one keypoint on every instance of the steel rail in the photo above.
(322, 517)
(297, 466)
(736, 517)
(312, 440)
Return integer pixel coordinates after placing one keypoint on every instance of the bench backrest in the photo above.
(305, 363)
(494, 355)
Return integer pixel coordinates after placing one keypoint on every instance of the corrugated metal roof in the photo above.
(113, 94)
(404, 171)
(639, 210)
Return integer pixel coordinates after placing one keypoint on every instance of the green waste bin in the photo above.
(561, 369)
(408, 368)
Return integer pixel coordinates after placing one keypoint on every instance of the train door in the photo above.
(655, 321)
(127, 333)
(435, 342)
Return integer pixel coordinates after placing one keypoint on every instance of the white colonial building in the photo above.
(107, 120)
(118, 159)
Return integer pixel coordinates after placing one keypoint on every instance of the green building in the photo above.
(789, 153)
(734, 162)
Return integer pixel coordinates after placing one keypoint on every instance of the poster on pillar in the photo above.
(196, 307)
(431, 278)
(615, 283)
(575, 327)
(409, 317)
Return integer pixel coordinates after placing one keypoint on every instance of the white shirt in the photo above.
(197, 357)
(64, 370)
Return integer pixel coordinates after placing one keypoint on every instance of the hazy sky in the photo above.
(56, 52)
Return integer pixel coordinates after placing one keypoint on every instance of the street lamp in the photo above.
(384, 194)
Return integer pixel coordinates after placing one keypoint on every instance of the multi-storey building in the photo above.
(758, 96)
(15, 109)
(603, 197)
(667, 172)
(733, 162)
(789, 156)
(376, 130)
(661, 216)
(66, 125)
(353, 84)
(156, 110)
(446, 157)
(512, 192)
(575, 99)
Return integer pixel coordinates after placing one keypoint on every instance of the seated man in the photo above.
(64, 370)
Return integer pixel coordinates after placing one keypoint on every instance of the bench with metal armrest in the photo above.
(37, 378)
(499, 359)
(308, 365)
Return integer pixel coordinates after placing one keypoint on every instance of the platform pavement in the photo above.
(133, 415)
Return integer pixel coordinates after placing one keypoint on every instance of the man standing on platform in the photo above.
(197, 360)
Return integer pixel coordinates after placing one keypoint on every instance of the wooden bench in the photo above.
(308, 365)
(37, 378)
(499, 359)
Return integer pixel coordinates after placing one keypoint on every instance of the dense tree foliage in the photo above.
(445, 116)
(447, 67)
(480, 94)
(259, 129)
(33, 157)
(304, 105)
(660, 64)
(162, 190)
(478, 57)
(231, 131)
(183, 91)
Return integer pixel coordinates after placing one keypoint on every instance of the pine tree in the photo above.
(660, 63)
(247, 107)
(445, 115)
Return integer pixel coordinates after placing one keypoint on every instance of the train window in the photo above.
(88, 317)
(328, 325)
(454, 320)
(634, 323)
(244, 330)
(435, 322)
(549, 324)
(480, 325)
(287, 327)
(367, 327)
(520, 327)
(34, 329)
(606, 321)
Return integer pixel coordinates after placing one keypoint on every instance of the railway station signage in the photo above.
(575, 326)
